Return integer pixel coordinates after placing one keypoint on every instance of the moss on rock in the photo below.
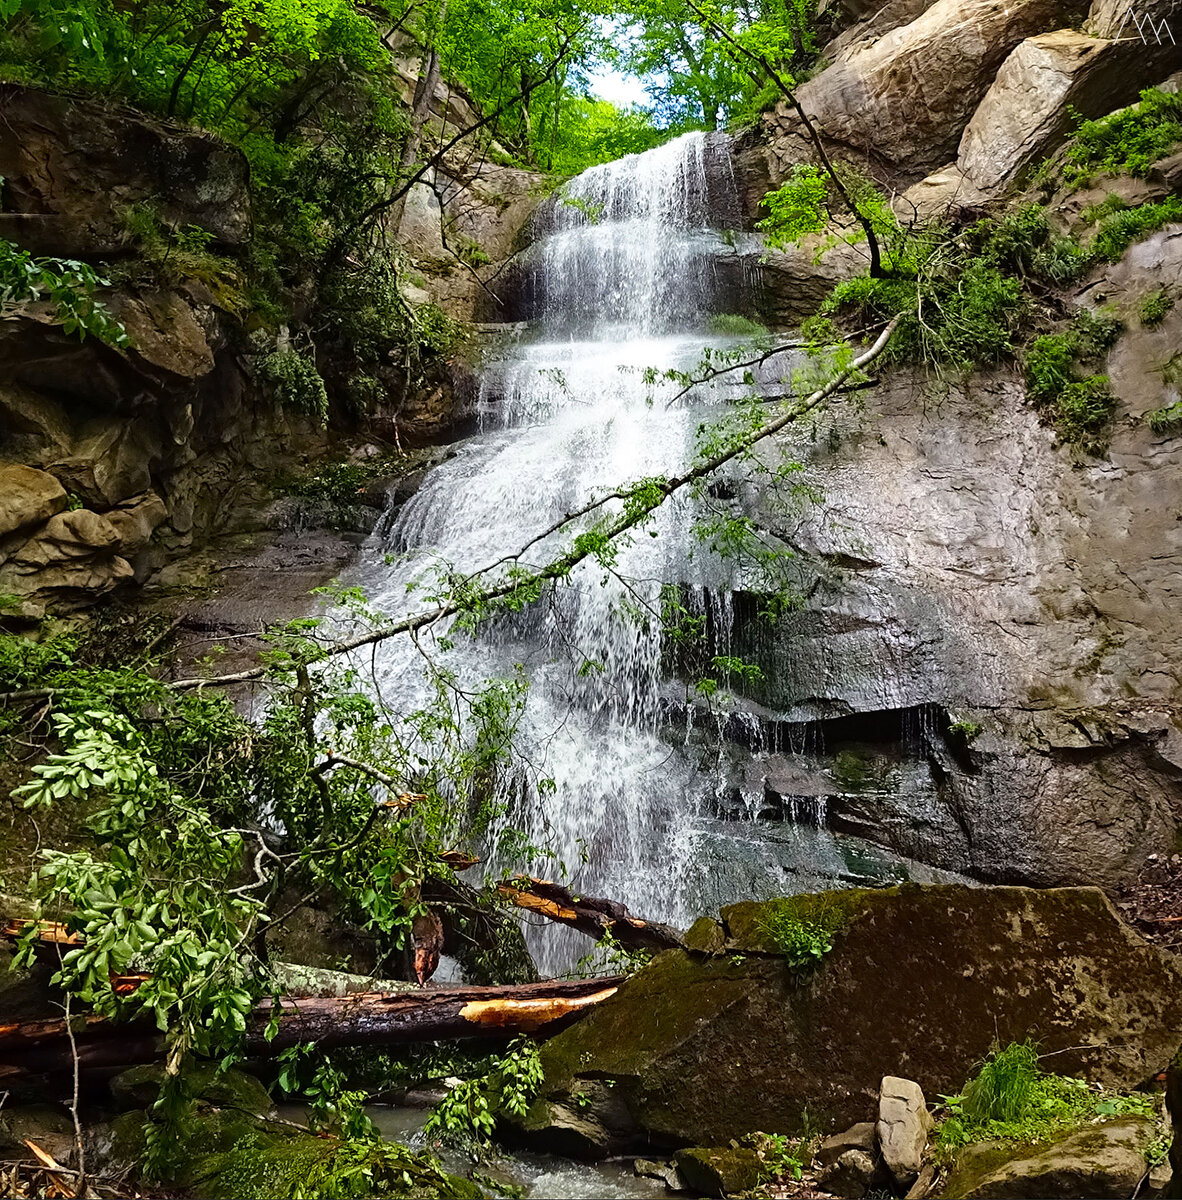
(701, 1048)
(725, 1171)
(1108, 1159)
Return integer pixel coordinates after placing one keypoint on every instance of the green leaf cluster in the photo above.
(1127, 142)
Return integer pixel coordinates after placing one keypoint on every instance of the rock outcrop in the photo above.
(703, 1046)
(1037, 97)
(73, 170)
(906, 98)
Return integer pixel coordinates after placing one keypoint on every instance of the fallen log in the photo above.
(589, 915)
(29, 1049)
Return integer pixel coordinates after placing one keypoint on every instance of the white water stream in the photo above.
(623, 277)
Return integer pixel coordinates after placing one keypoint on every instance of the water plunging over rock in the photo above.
(628, 266)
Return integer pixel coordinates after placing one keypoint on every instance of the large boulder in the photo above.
(705, 1045)
(1035, 102)
(907, 98)
(27, 497)
(72, 558)
(1102, 1160)
(73, 169)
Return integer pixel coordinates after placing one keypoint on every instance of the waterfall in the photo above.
(627, 265)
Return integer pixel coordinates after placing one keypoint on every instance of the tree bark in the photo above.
(594, 917)
(29, 1049)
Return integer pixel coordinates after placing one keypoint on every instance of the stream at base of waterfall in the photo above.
(628, 265)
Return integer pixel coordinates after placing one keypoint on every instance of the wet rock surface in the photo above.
(702, 1047)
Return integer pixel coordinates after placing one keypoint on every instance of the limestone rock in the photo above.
(1104, 1160)
(136, 521)
(851, 1176)
(69, 535)
(704, 1048)
(903, 1125)
(1107, 18)
(945, 194)
(72, 169)
(874, 20)
(1033, 104)
(907, 98)
(719, 1172)
(862, 1136)
(27, 497)
(666, 1172)
(110, 463)
(71, 557)
(795, 281)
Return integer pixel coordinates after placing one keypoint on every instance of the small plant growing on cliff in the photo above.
(1080, 407)
(292, 378)
(69, 287)
(1167, 419)
(1127, 142)
(1154, 307)
(802, 940)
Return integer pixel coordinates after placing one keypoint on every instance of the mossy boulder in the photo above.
(702, 1046)
(723, 1171)
(225, 1154)
(138, 1087)
(1103, 1160)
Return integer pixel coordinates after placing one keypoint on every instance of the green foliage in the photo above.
(468, 1114)
(734, 325)
(1002, 1089)
(1119, 230)
(262, 1166)
(294, 381)
(965, 731)
(1167, 419)
(334, 1107)
(1011, 1099)
(802, 940)
(69, 287)
(1127, 142)
(591, 131)
(1155, 306)
(697, 78)
(798, 207)
(1080, 407)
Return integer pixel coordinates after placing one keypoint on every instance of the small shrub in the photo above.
(1080, 408)
(1154, 307)
(802, 937)
(1011, 1099)
(292, 378)
(1003, 1088)
(1167, 419)
(1128, 142)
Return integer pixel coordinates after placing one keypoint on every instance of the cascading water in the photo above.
(626, 268)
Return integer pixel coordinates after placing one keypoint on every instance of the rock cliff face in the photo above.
(987, 655)
(114, 461)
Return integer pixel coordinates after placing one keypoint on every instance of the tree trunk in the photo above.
(594, 917)
(29, 1049)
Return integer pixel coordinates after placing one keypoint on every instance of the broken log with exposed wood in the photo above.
(29, 1049)
(589, 915)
